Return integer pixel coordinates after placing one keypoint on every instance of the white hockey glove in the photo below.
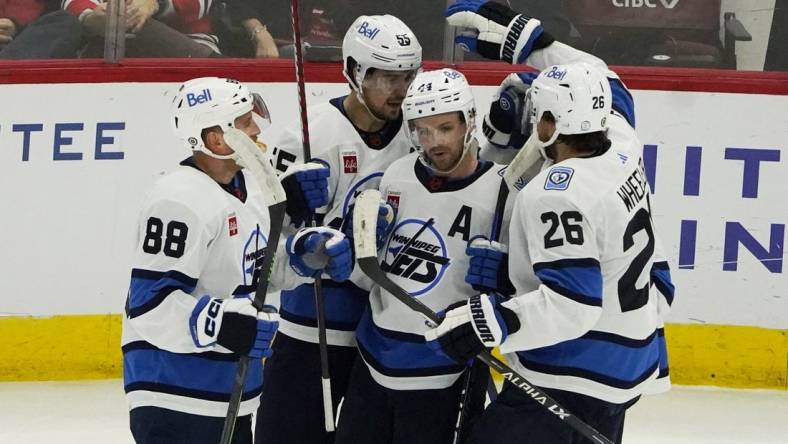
(234, 324)
(320, 249)
(500, 33)
(470, 327)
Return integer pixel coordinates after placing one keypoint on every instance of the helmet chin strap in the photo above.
(542, 146)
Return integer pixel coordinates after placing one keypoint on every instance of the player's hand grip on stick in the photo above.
(364, 227)
(234, 324)
(320, 249)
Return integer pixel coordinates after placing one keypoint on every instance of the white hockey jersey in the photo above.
(357, 161)
(390, 335)
(195, 238)
(621, 133)
(581, 252)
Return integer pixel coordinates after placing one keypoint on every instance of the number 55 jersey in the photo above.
(582, 258)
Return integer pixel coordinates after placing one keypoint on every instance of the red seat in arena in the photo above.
(657, 32)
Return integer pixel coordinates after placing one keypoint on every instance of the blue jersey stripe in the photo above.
(578, 279)
(185, 373)
(149, 288)
(594, 357)
(622, 101)
(660, 276)
(400, 355)
(343, 302)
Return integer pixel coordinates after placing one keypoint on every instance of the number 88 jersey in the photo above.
(582, 248)
(195, 238)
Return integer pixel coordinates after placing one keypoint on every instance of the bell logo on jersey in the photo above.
(254, 252)
(350, 162)
(195, 99)
(558, 178)
(421, 265)
(232, 224)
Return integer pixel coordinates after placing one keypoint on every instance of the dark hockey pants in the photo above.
(373, 414)
(291, 406)
(154, 425)
(514, 418)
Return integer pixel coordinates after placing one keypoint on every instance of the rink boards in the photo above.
(77, 159)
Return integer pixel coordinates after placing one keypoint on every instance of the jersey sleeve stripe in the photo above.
(660, 276)
(579, 280)
(597, 359)
(622, 101)
(149, 289)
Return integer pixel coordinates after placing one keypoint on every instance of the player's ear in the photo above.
(213, 138)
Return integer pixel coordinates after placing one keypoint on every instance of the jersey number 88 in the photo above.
(174, 241)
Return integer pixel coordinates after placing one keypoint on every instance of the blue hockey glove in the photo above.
(500, 33)
(234, 324)
(489, 266)
(507, 124)
(385, 223)
(320, 250)
(306, 187)
(482, 322)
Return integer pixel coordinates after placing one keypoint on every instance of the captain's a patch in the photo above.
(558, 178)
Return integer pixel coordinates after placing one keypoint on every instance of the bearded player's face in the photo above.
(442, 139)
(385, 90)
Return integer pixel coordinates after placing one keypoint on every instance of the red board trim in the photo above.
(478, 73)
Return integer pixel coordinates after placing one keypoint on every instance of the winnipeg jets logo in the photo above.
(252, 261)
(419, 263)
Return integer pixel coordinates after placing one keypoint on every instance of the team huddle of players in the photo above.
(561, 268)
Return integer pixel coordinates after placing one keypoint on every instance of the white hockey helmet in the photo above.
(381, 42)
(207, 102)
(576, 94)
(439, 92)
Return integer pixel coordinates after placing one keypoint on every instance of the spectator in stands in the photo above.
(169, 28)
(29, 30)
(241, 30)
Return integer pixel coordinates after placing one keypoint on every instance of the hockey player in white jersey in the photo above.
(507, 125)
(200, 243)
(584, 323)
(357, 136)
(404, 391)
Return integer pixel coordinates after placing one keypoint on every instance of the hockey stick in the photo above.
(257, 163)
(527, 157)
(364, 224)
(495, 233)
(328, 407)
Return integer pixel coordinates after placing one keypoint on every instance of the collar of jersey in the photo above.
(437, 184)
(236, 187)
(376, 140)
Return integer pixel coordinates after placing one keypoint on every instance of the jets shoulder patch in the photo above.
(558, 178)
